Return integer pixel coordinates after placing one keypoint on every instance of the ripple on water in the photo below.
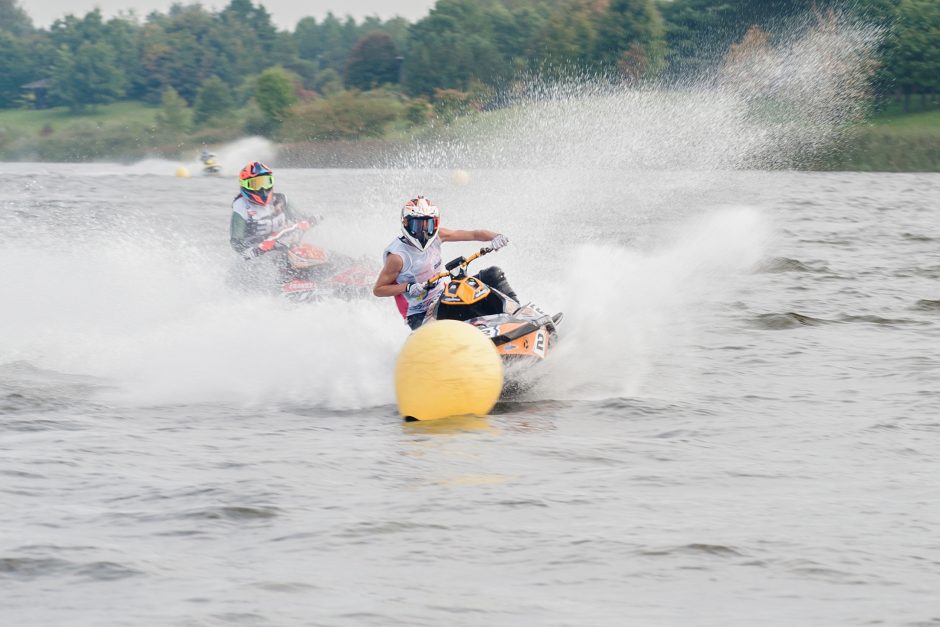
(783, 321)
(927, 305)
(785, 264)
(233, 512)
(794, 320)
(696, 548)
(26, 568)
(871, 319)
(917, 237)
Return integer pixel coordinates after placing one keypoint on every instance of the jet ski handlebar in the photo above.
(274, 240)
(459, 265)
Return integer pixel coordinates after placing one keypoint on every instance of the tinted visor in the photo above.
(259, 182)
(422, 228)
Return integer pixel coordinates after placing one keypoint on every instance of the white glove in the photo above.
(416, 290)
(498, 242)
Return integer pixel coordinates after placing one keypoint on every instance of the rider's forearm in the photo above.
(482, 235)
(390, 290)
(477, 235)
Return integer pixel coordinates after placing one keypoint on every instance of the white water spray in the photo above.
(603, 192)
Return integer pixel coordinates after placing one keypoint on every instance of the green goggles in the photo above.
(258, 183)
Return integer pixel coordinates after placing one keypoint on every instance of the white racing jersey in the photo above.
(417, 267)
(266, 218)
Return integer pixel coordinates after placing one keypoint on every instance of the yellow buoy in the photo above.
(182, 172)
(447, 368)
(460, 177)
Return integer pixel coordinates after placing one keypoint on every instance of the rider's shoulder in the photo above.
(243, 206)
(397, 246)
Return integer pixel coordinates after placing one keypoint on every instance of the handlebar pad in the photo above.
(453, 263)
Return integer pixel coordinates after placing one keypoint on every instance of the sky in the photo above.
(285, 13)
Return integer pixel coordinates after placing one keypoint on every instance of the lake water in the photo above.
(739, 426)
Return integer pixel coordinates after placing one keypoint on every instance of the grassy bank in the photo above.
(127, 131)
(891, 142)
(121, 131)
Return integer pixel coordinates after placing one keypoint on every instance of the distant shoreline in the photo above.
(899, 144)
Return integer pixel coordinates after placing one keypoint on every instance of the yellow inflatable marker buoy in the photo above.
(447, 368)
(460, 177)
(182, 172)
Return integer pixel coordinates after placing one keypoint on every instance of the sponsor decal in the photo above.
(299, 286)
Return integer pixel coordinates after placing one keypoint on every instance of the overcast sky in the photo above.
(286, 13)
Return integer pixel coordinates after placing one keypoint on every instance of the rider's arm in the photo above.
(238, 233)
(242, 235)
(280, 200)
(294, 215)
(386, 284)
(478, 235)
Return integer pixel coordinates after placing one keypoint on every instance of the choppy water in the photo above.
(740, 427)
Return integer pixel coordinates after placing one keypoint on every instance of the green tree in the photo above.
(275, 94)
(912, 54)
(699, 32)
(328, 82)
(18, 60)
(13, 19)
(72, 32)
(630, 37)
(457, 46)
(307, 38)
(213, 100)
(566, 40)
(373, 61)
(173, 117)
(344, 115)
(91, 76)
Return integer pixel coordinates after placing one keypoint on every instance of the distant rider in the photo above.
(415, 257)
(258, 211)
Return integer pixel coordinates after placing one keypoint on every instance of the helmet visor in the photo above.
(258, 183)
(422, 228)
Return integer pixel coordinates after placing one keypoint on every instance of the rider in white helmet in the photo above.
(413, 258)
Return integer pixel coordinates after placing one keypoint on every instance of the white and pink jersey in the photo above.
(417, 266)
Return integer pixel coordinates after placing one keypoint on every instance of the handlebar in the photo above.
(460, 264)
(273, 240)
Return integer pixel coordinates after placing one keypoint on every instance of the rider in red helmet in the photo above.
(415, 257)
(258, 211)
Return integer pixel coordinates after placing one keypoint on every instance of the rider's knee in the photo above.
(493, 274)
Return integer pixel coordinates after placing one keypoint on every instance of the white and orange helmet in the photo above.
(420, 220)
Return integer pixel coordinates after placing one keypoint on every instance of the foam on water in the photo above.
(599, 188)
(178, 332)
(638, 316)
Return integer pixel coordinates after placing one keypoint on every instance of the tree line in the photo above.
(235, 58)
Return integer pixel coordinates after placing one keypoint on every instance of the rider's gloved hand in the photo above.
(498, 242)
(252, 252)
(416, 290)
(303, 225)
(267, 245)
